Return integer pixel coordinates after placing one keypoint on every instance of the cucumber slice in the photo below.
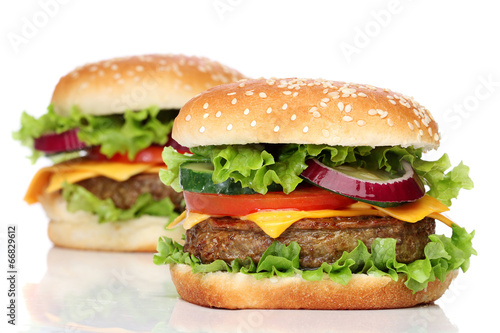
(197, 177)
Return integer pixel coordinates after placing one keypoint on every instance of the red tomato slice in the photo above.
(304, 198)
(151, 155)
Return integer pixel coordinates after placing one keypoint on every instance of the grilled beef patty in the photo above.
(321, 240)
(124, 194)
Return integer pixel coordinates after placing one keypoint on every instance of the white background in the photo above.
(443, 53)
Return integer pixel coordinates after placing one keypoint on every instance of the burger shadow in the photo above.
(88, 291)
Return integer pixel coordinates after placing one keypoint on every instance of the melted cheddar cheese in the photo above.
(274, 223)
(50, 179)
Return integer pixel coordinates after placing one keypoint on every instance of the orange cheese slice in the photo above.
(274, 223)
(415, 211)
(50, 179)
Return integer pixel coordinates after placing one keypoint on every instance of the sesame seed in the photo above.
(205, 106)
(287, 92)
(341, 106)
(120, 81)
(295, 94)
(218, 114)
(348, 108)
(392, 101)
(241, 85)
(410, 125)
(117, 76)
(234, 101)
(348, 91)
(382, 113)
(114, 67)
(334, 95)
(231, 93)
(316, 114)
(361, 123)
(305, 129)
(253, 123)
(416, 123)
(249, 93)
(325, 133)
(436, 136)
(294, 116)
(390, 97)
(326, 100)
(284, 106)
(313, 109)
(247, 111)
(93, 68)
(420, 132)
(262, 95)
(84, 85)
(347, 118)
(430, 131)
(269, 110)
(323, 104)
(362, 94)
(229, 127)
(205, 116)
(202, 129)
(390, 122)
(325, 91)
(139, 68)
(188, 117)
(276, 128)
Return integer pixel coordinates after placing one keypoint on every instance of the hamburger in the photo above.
(105, 129)
(311, 194)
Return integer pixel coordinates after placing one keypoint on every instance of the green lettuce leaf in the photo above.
(78, 198)
(258, 166)
(442, 255)
(128, 133)
(173, 160)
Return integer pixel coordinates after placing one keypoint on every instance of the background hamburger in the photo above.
(108, 121)
(311, 194)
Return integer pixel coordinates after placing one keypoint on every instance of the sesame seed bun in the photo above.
(115, 85)
(304, 111)
(241, 291)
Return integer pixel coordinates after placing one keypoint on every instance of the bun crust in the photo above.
(81, 230)
(304, 111)
(240, 291)
(115, 85)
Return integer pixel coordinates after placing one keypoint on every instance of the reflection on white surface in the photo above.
(421, 319)
(100, 292)
(84, 291)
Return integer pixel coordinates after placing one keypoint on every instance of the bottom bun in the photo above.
(241, 291)
(82, 230)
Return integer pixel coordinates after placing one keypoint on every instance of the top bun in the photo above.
(115, 85)
(304, 111)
